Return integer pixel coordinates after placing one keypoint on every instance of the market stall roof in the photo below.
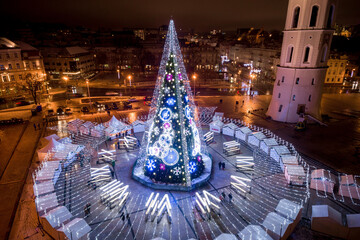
(258, 135)
(75, 229)
(321, 173)
(54, 136)
(230, 125)
(88, 125)
(281, 150)
(245, 130)
(137, 122)
(76, 122)
(348, 180)
(112, 122)
(43, 187)
(217, 122)
(226, 236)
(270, 142)
(46, 202)
(252, 232)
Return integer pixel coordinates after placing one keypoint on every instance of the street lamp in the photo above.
(87, 83)
(194, 77)
(129, 77)
(118, 73)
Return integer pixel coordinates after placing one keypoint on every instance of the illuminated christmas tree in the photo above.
(173, 151)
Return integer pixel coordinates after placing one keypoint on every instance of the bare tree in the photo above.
(32, 85)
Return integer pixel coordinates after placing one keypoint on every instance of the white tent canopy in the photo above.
(113, 122)
(216, 126)
(86, 127)
(47, 171)
(138, 126)
(73, 126)
(75, 229)
(229, 129)
(98, 130)
(242, 133)
(50, 147)
(350, 186)
(54, 136)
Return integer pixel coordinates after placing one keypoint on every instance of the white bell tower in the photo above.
(303, 62)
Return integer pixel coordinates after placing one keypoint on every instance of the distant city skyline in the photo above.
(196, 15)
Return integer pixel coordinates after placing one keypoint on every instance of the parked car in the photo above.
(60, 111)
(84, 110)
(133, 100)
(147, 98)
(50, 112)
(115, 107)
(127, 105)
(18, 98)
(23, 103)
(107, 108)
(68, 111)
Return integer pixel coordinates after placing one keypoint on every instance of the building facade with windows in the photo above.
(72, 62)
(336, 72)
(18, 60)
(303, 61)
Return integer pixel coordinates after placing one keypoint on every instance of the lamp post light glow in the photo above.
(194, 78)
(87, 84)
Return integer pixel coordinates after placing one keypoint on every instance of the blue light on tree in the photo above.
(151, 165)
(188, 112)
(170, 101)
(186, 98)
(172, 157)
(165, 114)
(192, 167)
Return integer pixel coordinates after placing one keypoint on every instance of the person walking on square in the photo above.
(220, 164)
(223, 195)
(230, 197)
(39, 126)
(35, 126)
(223, 166)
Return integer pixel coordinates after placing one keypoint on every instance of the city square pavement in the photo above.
(104, 222)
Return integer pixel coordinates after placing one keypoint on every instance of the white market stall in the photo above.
(327, 220)
(112, 122)
(43, 188)
(350, 186)
(255, 138)
(138, 126)
(278, 227)
(98, 130)
(290, 209)
(216, 126)
(226, 236)
(47, 170)
(277, 152)
(46, 202)
(242, 133)
(353, 222)
(295, 174)
(288, 160)
(229, 129)
(322, 180)
(254, 232)
(116, 127)
(86, 127)
(218, 116)
(73, 126)
(57, 216)
(75, 229)
(267, 143)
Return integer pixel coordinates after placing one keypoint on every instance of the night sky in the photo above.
(195, 14)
